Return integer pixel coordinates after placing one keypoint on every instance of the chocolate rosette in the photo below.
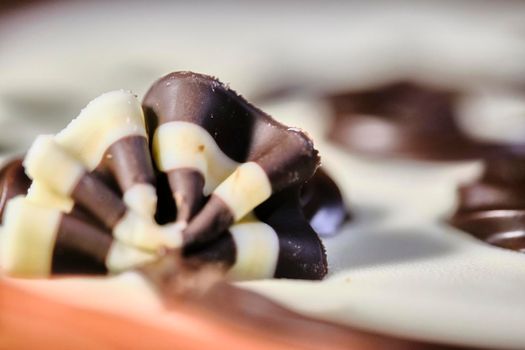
(196, 170)
(493, 208)
(401, 119)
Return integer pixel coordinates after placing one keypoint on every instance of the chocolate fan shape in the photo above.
(200, 170)
(493, 208)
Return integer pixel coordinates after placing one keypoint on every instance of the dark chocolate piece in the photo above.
(129, 161)
(13, 182)
(401, 119)
(493, 207)
(187, 185)
(99, 200)
(210, 223)
(80, 247)
(297, 239)
(75, 234)
(323, 204)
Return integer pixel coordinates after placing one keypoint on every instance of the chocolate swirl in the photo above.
(493, 208)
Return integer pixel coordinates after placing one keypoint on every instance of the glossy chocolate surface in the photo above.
(323, 204)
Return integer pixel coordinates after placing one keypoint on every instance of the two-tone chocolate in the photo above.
(493, 207)
(401, 119)
(225, 147)
(232, 174)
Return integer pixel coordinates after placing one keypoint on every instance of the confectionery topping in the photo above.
(200, 172)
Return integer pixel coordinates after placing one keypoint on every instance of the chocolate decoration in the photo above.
(13, 182)
(256, 137)
(296, 237)
(323, 204)
(203, 100)
(493, 207)
(318, 195)
(219, 197)
(401, 119)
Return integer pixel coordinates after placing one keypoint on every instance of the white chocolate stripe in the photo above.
(105, 120)
(48, 162)
(181, 144)
(257, 246)
(137, 231)
(42, 195)
(245, 189)
(142, 198)
(29, 238)
(123, 257)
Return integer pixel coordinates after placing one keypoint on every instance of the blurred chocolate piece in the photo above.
(13, 182)
(493, 207)
(402, 119)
